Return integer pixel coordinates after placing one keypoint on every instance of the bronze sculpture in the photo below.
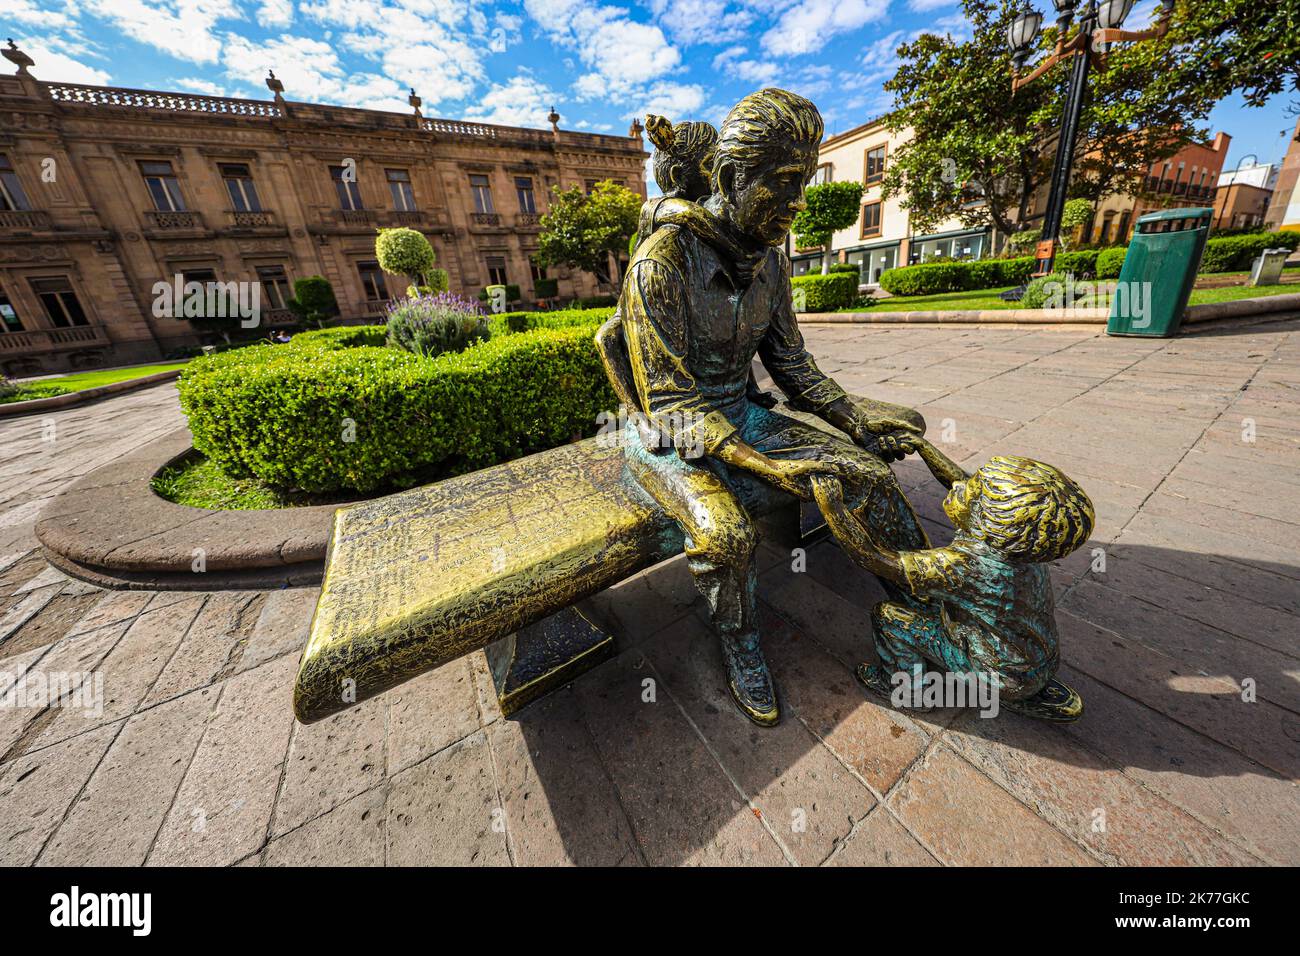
(707, 291)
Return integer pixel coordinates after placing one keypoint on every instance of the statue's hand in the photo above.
(792, 475)
(892, 436)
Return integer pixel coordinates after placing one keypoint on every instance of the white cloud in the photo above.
(758, 73)
(43, 16)
(182, 28)
(275, 13)
(806, 26)
(621, 51)
(310, 71)
(677, 101)
(925, 6)
(58, 68)
(198, 85)
(521, 101)
(702, 21)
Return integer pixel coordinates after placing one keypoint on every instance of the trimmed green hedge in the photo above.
(826, 293)
(1235, 253)
(328, 418)
(341, 337)
(932, 278)
(509, 322)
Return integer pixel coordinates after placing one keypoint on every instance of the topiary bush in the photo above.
(1110, 261)
(512, 293)
(546, 288)
(836, 290)
(313, 300)
(365, 419)
(846, 267)
(1081, 262)
(405, 252)
(932, 278)
(1237, 253)
(434, 324)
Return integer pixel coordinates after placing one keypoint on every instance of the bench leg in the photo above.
(544, 656)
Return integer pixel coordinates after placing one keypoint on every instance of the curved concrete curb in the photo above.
(1209, 312)
(110, 528)
(86, 395)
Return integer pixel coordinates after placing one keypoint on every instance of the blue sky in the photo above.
(507, 61)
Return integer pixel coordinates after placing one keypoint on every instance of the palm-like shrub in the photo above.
(430, 325)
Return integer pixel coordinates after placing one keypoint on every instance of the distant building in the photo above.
(105, 192)
(882, 238)
(1243, 196)
(1284, 206)
(1188, 178)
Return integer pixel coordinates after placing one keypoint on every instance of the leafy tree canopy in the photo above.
(581, 231)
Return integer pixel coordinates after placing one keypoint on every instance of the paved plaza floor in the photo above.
(1178, 624)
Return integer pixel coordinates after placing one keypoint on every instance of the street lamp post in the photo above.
(1099, 29)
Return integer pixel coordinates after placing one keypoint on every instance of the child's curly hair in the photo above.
(1030, 510)
(683, 160)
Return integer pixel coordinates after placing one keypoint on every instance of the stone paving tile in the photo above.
(1088, 799)
(429, 713)
(880, 840)
(445, 811)
(112, 606)
(352, 834)
(969, 820)
(212, 644)
(282, 626)
(223, 808)
(37, 789)
(649, 748)
(1215, 784)
(114, 821)
(808, 798)
(560, 805)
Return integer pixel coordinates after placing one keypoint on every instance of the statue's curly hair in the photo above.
(1030, 510)
(761, 123)
(683, 160)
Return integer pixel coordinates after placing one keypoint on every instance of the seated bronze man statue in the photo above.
(707, 291)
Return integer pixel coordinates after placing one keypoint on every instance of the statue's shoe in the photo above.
(1056, 702)
(749, 680)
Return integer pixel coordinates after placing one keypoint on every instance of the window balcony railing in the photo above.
(261, 219)
(173, 219)
(355, 217)
(25, 220)
(51, 340)
(485, 218)
(407, 217)
(528, 220)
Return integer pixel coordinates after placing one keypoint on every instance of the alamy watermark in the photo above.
(927, 689)
(70, 690)
(671, 430)
(180, 299)
(1132, 299)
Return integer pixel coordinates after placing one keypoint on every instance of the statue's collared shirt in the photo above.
(693, 328)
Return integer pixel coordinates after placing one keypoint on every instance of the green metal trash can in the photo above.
(1159, 269)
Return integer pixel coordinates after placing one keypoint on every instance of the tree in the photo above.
(313, 300)
(980, 154)
(831, 207)
(405, 252)
(581, 231)
(1247, 45)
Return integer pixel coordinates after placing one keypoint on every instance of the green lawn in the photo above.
(988, 299)
(80, 381)
(201, 484)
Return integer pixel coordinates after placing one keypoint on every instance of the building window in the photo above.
(590, 185)
(163, 186)
(875, 166)
(496, 267)
(239, 184)
(823, 175)
(871, 219)
(372, 281)
(275, 286)
(11, 190)
(482, 191)
(349, 191)
(524, 189)
(60, 302)
(9, 321)
(399, 184)
(539, 272)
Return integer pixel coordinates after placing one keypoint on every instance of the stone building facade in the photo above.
(105, 192)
